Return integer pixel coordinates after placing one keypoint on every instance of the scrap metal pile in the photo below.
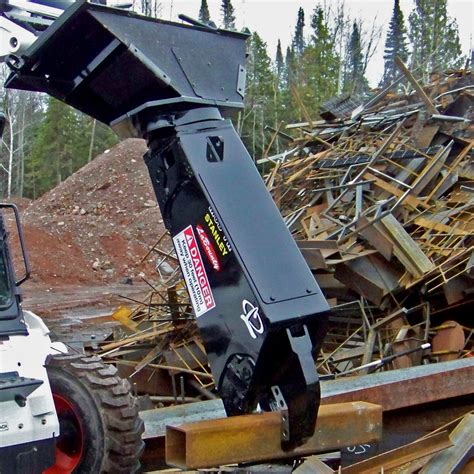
(158, 342)
(381, 204)
(380, 200)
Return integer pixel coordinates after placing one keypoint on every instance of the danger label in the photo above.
(193, 271)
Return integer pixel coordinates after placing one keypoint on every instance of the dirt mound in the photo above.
(97, 225)
(21, 202)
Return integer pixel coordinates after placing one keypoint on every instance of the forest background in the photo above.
(329, 53)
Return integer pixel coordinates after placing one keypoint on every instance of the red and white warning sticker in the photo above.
(193, 270)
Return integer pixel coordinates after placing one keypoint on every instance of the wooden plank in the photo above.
(406, 249)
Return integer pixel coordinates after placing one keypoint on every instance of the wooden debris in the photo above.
(390, 188)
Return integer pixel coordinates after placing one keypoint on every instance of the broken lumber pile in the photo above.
(380, 199)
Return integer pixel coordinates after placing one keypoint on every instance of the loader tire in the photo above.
(100, 430)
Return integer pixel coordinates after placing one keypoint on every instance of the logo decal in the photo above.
(193, 270)
(3, 426)
(208, 248)
(252, 319)
(216, 231)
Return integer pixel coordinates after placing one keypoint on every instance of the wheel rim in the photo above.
(70, 443)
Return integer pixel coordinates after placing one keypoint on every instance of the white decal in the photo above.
(193, 270)
(359, 449)
(252, 319)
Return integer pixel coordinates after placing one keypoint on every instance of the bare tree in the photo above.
(20, 109)
(148, 7)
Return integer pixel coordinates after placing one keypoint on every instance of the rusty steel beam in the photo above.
(403, 388)
(412, 387)
(388, 389)
(257, 437)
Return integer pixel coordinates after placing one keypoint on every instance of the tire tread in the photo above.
(118, 409)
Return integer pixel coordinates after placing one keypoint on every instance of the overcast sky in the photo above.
(274, 19)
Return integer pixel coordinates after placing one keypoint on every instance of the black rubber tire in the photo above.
(106, 409)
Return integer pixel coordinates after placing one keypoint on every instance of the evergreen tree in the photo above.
(325, 48)
(395, 44)
(290, 66)
(61, 145)
(228, 17)
(259, 69)
(53, 154)
(288, 106)
(298, 39)
(319, 65)
(354, 80)
(294, 69)
(204, 14)
(313, 75)
(259, 108)
(279, 63)
(434, 37)
(95, 138)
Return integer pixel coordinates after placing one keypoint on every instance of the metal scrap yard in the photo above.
(380, 207)
(220, 291)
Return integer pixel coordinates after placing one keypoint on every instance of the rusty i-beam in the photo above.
(257, 437)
